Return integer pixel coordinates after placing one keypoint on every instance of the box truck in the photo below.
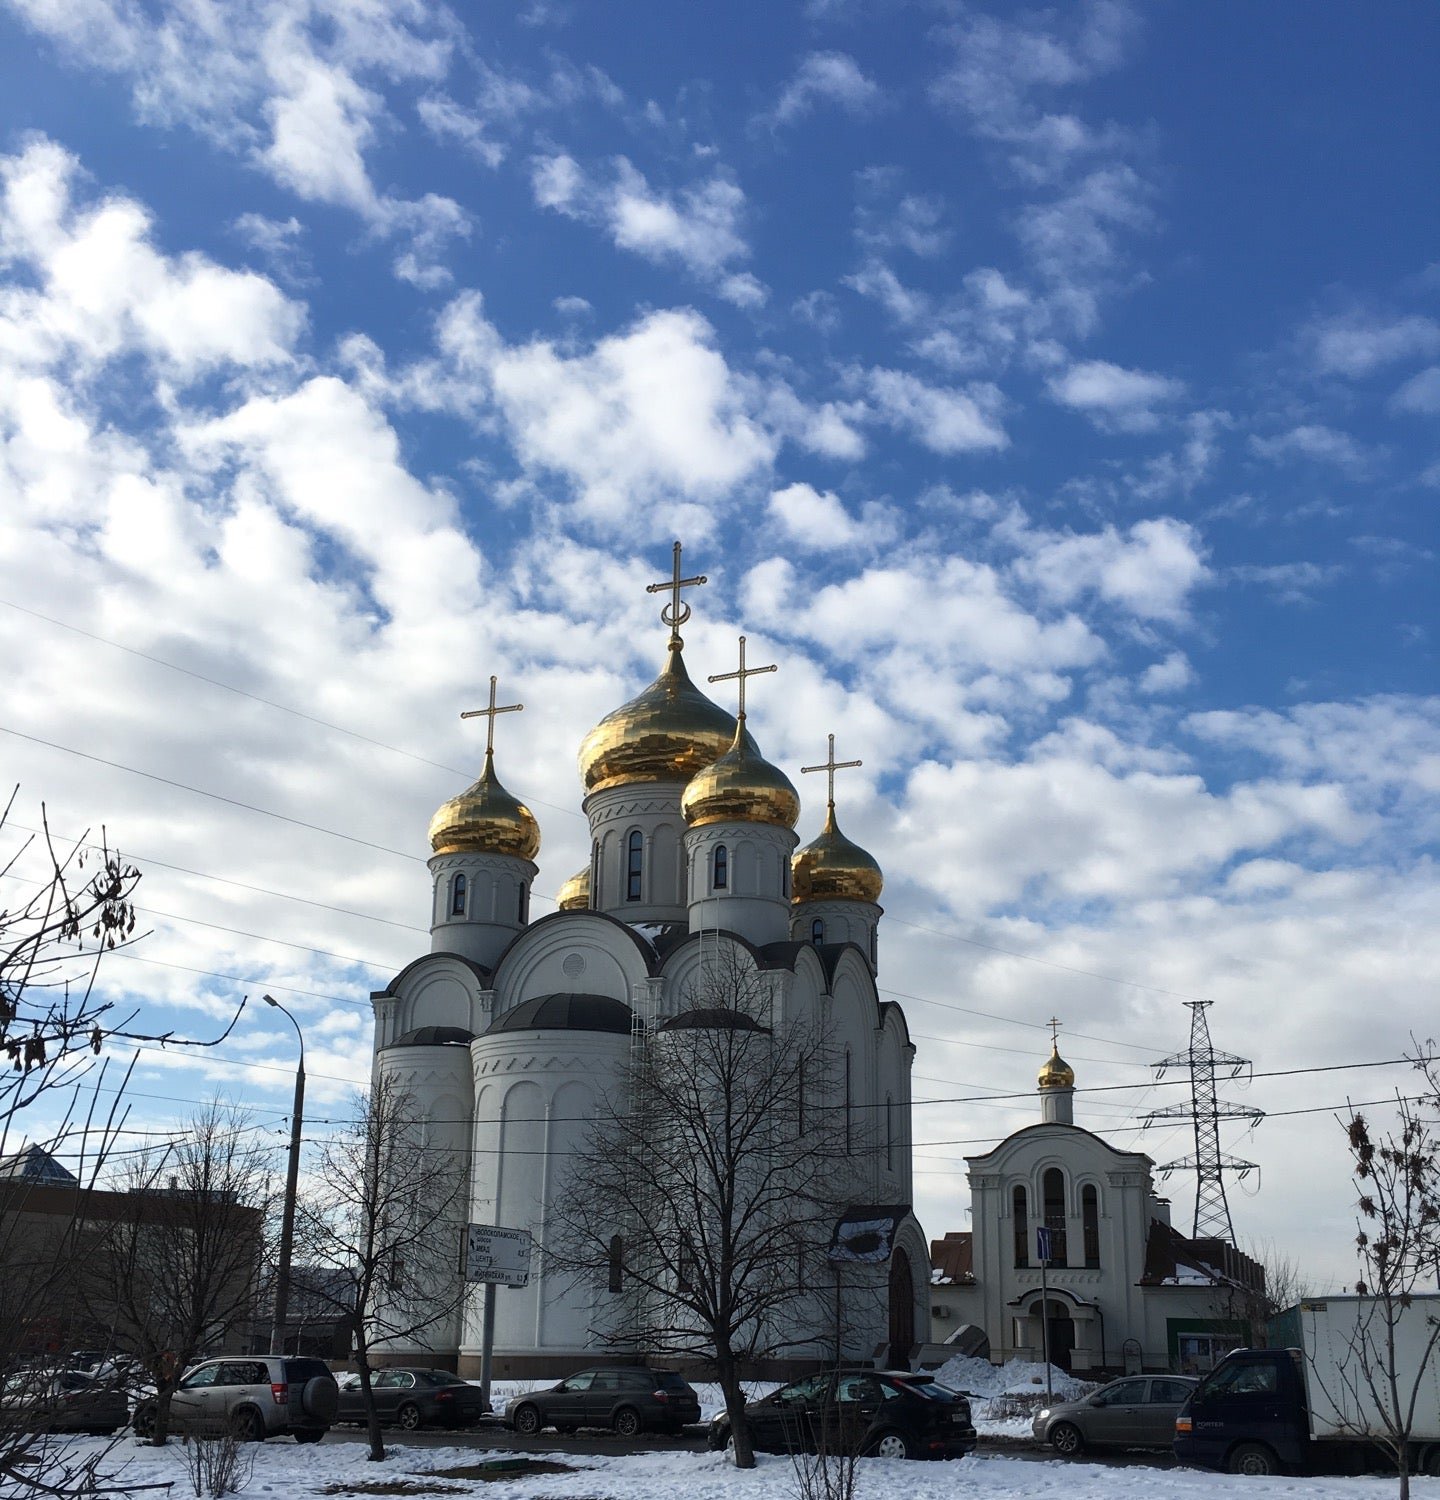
(1319, 1404)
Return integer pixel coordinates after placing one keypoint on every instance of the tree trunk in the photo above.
(367, 1397)
(163, 1392)
(728, 1371)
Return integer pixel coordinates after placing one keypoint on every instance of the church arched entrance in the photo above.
(1060, 1333)
(902, 1307)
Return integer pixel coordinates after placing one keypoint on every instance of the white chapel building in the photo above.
(510, 1029)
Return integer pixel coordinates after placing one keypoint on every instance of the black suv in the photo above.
(887, 1413)
(627, 1399)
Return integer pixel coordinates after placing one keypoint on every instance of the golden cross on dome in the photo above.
(677, 611)
(742, 674)
(830, 767)
(1054, 1025)
(488, 714)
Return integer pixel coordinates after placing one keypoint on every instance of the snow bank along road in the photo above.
(285, 1472)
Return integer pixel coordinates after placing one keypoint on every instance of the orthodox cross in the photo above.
(677, 611)
(488, 714)
(1054, 1025)
(741, 675)
(830, 767)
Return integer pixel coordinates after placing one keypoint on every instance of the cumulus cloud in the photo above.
(942, 418)
(826, 78)
(1420, 395)
(817, 520)
(701, 229)
(1167, 676)
(1356, 344)
(1114, 398)
(1313, 442)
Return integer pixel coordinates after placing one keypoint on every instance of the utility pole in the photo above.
(1205, 1111)
(292, 1179)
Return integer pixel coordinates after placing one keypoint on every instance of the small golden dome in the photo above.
(741, 787)
(486, 819)
(667, 733)
(1057, 1073)
(575, 893)
(831, 868)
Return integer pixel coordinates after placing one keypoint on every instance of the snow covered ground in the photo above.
(283, 1471)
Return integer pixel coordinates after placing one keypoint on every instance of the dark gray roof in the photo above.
(434, 1036)
(712, 1018)
(34, 1164)
(566, 1012)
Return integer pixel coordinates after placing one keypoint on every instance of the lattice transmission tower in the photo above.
(1206, 1110)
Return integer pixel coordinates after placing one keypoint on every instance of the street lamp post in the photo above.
(292, 1177)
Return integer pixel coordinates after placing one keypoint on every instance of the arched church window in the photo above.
(889, 1133)
(457, 896)
(874, 949)
(1090, 1219)
(522, 905)
(617, 1263)
(847, 1102)
(1053, 1188)
(594, 873)
(720, 874)
(817, 932)
(635, 863)
(784, 877)
(1019, 1212)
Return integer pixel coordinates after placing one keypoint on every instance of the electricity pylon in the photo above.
(1205, 1110)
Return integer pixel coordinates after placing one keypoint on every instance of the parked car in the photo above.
(627, 1399)
(886, 1413)
(1136, 1412)
(261, 1396)
(63, 1401)
(412, 1398)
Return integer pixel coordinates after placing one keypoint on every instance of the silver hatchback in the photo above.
(261, 1396)
(1136, 1412)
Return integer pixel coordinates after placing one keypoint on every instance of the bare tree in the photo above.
(1254, 1301)
(173, 1256)
(384, 1229)
(1398, 1218)
(710, 1184)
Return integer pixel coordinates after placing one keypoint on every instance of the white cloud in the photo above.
(1293, 582)
(1357, 343)
(817, 521)
(1114, 398)
(1420, 395)
(448, 121)
(1150, 571)
(1168, 676)
(1315, 443)
(941, 418)
(826, 78)
(701, 229)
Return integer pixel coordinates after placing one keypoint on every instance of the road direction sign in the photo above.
(496, 1255)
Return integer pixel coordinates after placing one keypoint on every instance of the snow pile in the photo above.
(1005, 1398)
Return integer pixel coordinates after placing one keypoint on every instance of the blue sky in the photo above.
(1053, 394)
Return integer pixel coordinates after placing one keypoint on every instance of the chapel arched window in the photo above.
(522, 905)
(617, 1263)
(1019, 1213)
(457, 896)
(1090, 1219)
(720, 871)
(889, 1133)
(635, 865)
(848, 1103)
(817, 932)
(1053, 1188)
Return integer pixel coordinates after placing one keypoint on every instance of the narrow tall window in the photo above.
(1090, 1218)
(1053, 1184)
(720, 875)
(800, 1097)
(457, 896)
(634, 866)
(784, 877)
(594, 874)
(847, 1103)
(685, 1269)
(522, 904)
(817, 932)
(874, 949)
(889, 1134)
(1019, 1213)
(617, 1263)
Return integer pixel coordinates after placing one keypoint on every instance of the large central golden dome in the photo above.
(485, 819)
(741, 787)
(667, 733)
(831, 868)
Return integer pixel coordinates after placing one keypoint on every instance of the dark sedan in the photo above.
(884, 1413)
(627, 1399)
(412, 1398)
(62, 1401)
(1136, 1412)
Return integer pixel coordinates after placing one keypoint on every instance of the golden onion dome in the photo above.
(741, 787)
(575, 893)
(485, 819)
(667, 733)
(1057, 1073)
(831, 868)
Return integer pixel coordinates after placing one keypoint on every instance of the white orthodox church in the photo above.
(511, 1029)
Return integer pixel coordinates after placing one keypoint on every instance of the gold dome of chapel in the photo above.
(741, 787)
(832, 868)
(575, 893)
(485, 819)
(1057, 1073)
(667, 733)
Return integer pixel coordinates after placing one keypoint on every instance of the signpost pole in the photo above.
(487, 1343)
(1042, 1244)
